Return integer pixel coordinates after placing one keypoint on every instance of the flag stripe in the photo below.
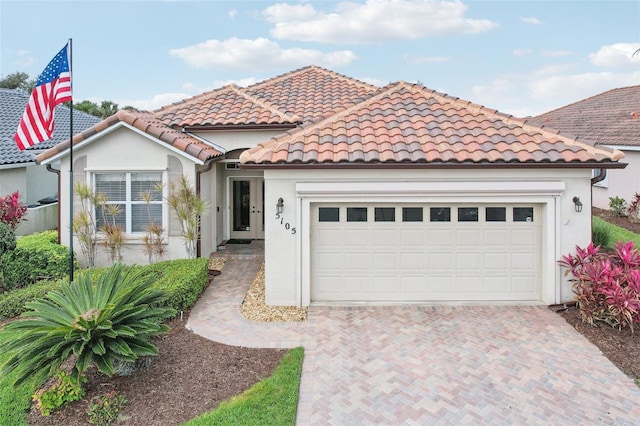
(53, 88)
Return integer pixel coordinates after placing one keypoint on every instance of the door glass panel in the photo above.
(385, 214)
(329, 214)
(467, 214)
(523, 214)
(412, 214)
(496, 214)
(440, 214)
(241, 207)
(356, 214)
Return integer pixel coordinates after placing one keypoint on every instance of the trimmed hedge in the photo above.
(36, 257)
(182, 280)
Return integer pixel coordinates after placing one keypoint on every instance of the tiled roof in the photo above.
(12, 105)
(311, 92)
(609, 118)
(406, 123)
(296, 97)
(230, 105)
(148, 123)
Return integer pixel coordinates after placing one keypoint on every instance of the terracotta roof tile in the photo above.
(609, 118)
(147, 123)
(445, 129)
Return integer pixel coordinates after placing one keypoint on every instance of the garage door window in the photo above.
(385, 214)
(496, 214)
(329, 214)
(356, 214)
(412, 214)
(523, 214)
(440, 214)
(467, 214)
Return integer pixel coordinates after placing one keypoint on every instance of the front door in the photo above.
(247, 208)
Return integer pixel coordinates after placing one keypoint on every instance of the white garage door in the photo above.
(425, 252)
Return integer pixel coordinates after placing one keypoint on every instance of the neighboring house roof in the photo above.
(147, 123)
(410, 124)
(12, 106)
(609, 118)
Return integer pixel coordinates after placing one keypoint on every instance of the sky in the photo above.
(519, 57)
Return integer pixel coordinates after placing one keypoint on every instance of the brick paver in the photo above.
(419, 365)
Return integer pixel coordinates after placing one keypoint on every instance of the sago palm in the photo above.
(96, 322)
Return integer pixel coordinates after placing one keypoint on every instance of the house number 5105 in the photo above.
(286, 225)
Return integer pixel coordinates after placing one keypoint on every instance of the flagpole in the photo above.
(71, 166)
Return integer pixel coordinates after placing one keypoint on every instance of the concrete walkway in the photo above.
(421, 365)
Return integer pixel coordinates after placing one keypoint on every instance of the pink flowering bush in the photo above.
(12, 210)
(607, 285)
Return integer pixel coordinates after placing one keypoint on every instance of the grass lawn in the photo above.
(617, 233)
(273, 401)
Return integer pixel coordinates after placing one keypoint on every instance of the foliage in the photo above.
(36, 257)
(153, 238)
(7, 238)
(618, 206)
(104, 110)
(84, 223)
(104, 410)
(18, 80)
(97, 323)
(15, 401)
(182, 280)
(607, 285)
(12, 210)
(634, 207)
(12, 303)
(272, 401)
(62, 392)
(601, 234)
(189, 208)
(617, 233)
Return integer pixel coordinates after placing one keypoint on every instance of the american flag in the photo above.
(52, 88)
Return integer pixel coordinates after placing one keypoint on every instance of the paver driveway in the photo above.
(420, 365)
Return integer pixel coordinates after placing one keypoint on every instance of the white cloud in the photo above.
(373, 21)
(521, 53)
(531, 20)
(575, 87)
(422, 59)
(374, 81)
(24, 59)
(233, 14)
(258, 54)
(616, 55)
(155, 102)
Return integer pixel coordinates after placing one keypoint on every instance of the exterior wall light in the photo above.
(280, 205)
(577, 203)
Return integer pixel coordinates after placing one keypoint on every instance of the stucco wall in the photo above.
(123, 150)
(620, 182)
(14, 179)
(564, 228)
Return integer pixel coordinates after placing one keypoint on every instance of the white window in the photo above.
(125, 191)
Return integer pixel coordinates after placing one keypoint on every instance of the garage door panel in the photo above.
(426, 261)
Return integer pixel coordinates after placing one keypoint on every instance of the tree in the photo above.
(18, 80)
(104, 110)
(189, 208)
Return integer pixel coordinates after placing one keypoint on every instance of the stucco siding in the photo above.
(620, 182)
(287, 259)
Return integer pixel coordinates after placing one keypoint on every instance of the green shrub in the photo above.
(62, 392)
(601, 234)
(36, 257)
(7, 238)
(97, 322)
(12, 303)
(182, 280)
(618, 206)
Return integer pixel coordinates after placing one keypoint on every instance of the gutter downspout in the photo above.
(56, 171)
(198, 186)
(594, 180)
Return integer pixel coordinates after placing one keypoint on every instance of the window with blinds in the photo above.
(126, 191)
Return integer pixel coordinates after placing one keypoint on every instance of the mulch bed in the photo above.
(622, 347)
(190, 376)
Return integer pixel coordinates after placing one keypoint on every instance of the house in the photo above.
(18, 169)
(362, 194)
(610, 119)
